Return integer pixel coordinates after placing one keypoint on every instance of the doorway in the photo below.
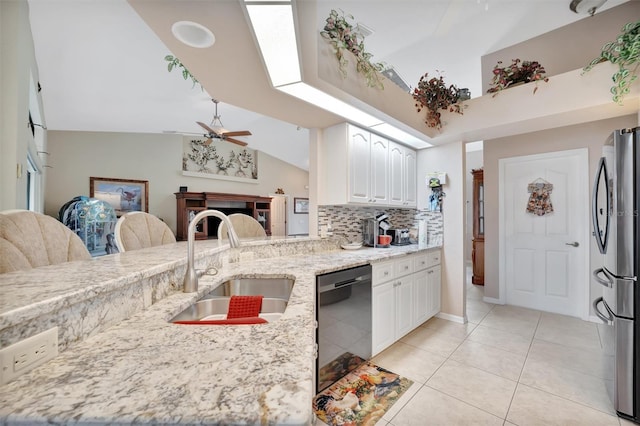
(544, 248)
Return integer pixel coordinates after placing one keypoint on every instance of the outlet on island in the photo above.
(27, 354)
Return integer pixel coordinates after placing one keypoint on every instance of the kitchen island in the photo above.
(144, 369)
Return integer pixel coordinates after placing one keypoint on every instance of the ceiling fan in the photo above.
(217, 131)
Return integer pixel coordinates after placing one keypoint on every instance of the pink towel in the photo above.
(244, 306)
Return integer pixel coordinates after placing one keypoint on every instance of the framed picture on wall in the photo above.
(301, 205)
(124, 195)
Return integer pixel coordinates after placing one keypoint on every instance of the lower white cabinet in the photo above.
(406, 293)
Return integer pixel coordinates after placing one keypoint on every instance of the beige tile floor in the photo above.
(506, 366)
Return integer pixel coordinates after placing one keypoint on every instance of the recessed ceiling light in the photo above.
(193, 34)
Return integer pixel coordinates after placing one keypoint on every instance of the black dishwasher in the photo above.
(343, 312)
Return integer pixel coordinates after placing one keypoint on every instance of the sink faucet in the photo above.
(191, 278)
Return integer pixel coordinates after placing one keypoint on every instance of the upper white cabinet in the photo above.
(359, 167)
(402, 183)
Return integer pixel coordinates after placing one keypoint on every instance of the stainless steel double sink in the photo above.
(215, 304)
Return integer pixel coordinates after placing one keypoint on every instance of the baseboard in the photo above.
(453, 318)
(492, 300)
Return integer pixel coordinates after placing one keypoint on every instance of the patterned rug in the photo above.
(361, 397)
(337, 369)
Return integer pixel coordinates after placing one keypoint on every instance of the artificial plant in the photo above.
(345, 37)
(175, 63)
(518, 72)
(434, 95)
(625, 53)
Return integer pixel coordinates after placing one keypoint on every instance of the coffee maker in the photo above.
(373, 227)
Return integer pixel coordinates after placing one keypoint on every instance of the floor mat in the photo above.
(337, 369)
(361, 397)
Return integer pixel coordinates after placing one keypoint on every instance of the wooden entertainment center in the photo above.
(191, 203)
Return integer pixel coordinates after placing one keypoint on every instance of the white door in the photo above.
(545, 256)
(278, 215)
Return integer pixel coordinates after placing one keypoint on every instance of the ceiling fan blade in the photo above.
(207, 128)
(236, 141)
(208, 142)
(238, 133)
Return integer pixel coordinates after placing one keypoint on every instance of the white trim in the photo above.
(221, 177)
(583, 176)
(454, 318)
(493, 300)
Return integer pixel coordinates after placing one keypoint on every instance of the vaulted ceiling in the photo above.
(102, 66)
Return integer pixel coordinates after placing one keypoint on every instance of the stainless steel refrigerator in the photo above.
(615, 207)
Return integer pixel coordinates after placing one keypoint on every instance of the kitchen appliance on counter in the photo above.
(372, 228)
(400, 237)
(616, 227)
(344, 320)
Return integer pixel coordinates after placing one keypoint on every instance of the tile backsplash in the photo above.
(346, 221)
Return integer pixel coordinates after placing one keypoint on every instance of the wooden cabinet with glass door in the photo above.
(477, 247)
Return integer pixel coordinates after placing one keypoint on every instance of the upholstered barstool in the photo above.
(138, 230)
(244, 225)
(29, 240)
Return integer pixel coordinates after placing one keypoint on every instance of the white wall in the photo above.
(76, 156)
(17, 65)
(474, 161)
(590, 135)
(448, 158)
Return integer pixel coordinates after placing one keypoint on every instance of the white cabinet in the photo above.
(359, 167)
(402, 180)
(406, 293)
(379, 177)
(383, 330)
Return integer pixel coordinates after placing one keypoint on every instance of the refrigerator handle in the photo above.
(596, 276)
(607, 320)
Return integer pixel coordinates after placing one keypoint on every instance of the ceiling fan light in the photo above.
(586, 6)
(193, 34)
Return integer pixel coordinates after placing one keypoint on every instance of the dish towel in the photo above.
(244, 306)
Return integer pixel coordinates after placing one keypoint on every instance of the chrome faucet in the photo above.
(191, 278)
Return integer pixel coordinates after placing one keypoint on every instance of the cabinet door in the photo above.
(379, 169)
(404, 305)
(433, 282)
(410, 183)
(383, 316)
(396, 174)
(359, 165)
(422, 298)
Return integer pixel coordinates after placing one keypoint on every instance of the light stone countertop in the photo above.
(147, 370)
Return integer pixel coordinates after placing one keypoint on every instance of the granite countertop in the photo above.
(147, 370)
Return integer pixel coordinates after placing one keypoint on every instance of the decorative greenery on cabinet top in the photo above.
(624, 52)
(343, 36)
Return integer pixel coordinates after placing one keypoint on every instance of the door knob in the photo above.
(574, 244)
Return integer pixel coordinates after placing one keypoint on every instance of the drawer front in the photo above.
(434, 258)
(382, 272)
(404, 266)
(421, 261)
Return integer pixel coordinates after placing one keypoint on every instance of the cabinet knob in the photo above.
(386, 273)
(406, 267)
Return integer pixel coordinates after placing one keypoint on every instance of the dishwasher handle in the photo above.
(332, 286)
